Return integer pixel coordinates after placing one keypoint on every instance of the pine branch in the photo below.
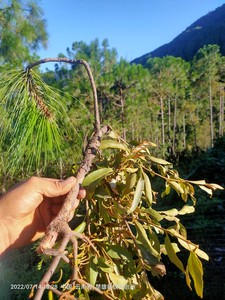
(88, 69)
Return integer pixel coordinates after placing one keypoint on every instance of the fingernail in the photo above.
(70, 180)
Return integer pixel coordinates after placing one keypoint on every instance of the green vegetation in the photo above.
(132, 219)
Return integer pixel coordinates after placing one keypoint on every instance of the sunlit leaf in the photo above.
(113, 135)
(198, 182)
(113, 144)
(50, 295)
(171, 212)
(80, 228)
(186, 209)
(96, 176)
(137, 195)
(188, 245)
(172, 254)
(214, 186)
(207, 190)
(118, 280)
(131, 170)
(166, 191)
(191, 247)
(176, 186)
(159, 161)
(148, 189)
(196, 271)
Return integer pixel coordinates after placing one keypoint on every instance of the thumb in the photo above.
(55, 187)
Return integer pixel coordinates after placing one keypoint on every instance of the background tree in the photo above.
(23, 31)
(205, 73)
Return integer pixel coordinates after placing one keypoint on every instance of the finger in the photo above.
(82, 193)
(52, 187)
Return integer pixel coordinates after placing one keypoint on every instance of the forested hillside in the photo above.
(209, 29)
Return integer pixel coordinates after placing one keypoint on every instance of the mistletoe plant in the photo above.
(121, 236)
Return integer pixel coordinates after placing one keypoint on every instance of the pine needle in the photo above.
(32, 112)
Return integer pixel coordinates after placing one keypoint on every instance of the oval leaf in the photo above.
(96, 176)
(144, 240)
(191, 247)
(186, 209)
(196, 271)
(137, 195)
(113, 144)
(159, 161)
(177, 187)
(91, 271)
(130, 183)
(118, 280)
(172, 254)
(148, 189)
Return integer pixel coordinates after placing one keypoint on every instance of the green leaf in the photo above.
(118, 252)
(95, 177)
(148, 189)
(91, 271)
(154, 214)
(159, 161)
(196, 271)
(113, 144)
(188, 279)
(166, 191)
(131, 170)
(137, 195)
(144, 240)
(172, 254)
(130, 183)
(80, 228)
(188, 245)
(106, 267)
(118, 280)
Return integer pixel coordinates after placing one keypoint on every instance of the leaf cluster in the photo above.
(128, 236)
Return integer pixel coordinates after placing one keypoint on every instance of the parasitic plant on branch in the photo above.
(122, 236)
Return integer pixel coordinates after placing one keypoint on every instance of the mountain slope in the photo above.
(209, 29)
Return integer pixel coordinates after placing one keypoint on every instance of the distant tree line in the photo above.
(176, 104)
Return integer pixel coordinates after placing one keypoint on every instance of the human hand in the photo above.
(28, 208)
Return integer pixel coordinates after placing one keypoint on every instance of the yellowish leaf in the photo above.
(196, 271)
(172, 254)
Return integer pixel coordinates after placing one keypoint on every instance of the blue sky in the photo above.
(132, 27)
